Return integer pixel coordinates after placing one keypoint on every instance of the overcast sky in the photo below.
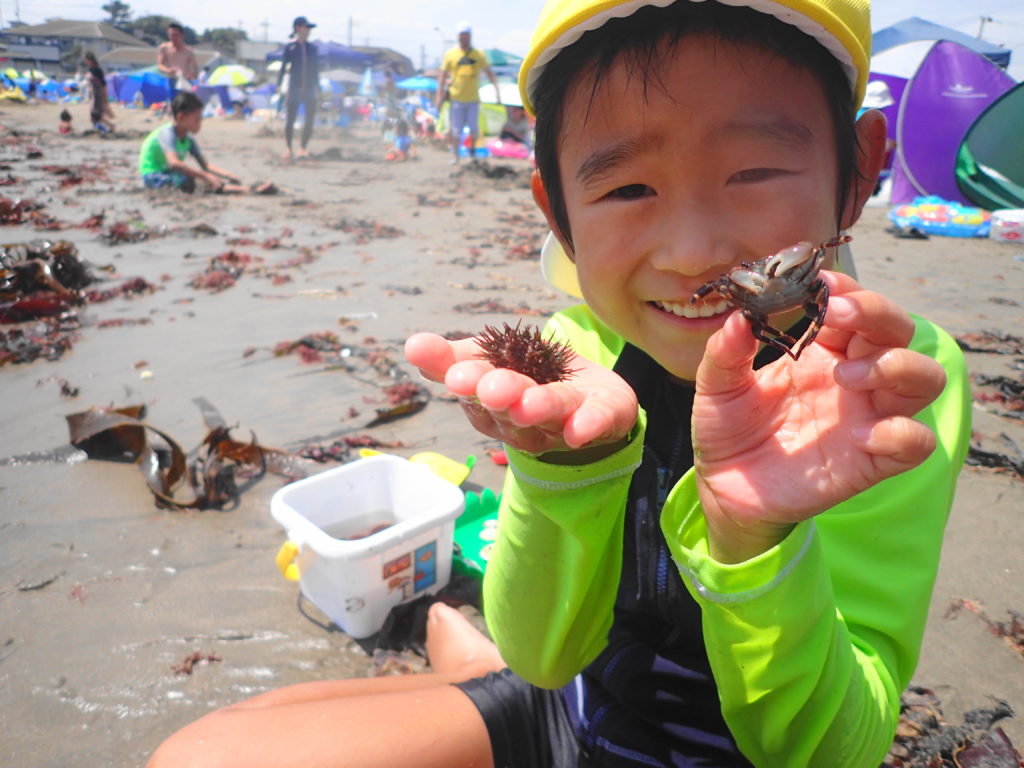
(421, 29)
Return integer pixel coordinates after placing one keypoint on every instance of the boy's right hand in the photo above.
(594, 407)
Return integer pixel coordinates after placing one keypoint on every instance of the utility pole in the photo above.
(349, 31)
(981, 26)
(423, 57)
(265, 25)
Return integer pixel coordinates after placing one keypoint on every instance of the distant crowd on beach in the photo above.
(448, 107)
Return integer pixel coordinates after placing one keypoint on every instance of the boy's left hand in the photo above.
(776, 446)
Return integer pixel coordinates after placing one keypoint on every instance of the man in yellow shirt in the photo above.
(460, 82)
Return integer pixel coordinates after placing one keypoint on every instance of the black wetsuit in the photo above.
(300, 59)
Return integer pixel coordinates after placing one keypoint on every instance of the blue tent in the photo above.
(913, 29)
(153, 86)
(332, 55)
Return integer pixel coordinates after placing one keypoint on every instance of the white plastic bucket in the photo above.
(1008, 225)
(366, 537)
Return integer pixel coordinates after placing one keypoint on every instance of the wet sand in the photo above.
(103, 594)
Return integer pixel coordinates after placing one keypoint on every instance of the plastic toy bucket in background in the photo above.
(366, 537)
(1008, 225)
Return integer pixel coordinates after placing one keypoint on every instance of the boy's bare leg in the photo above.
(417, 720)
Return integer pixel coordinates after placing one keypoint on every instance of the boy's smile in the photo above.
(728, 154)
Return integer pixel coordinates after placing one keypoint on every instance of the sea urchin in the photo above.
(522, 349)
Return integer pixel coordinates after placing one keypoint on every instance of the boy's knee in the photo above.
(191, 747)
(171, 754)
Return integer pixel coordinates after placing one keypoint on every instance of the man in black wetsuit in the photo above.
(300, 60)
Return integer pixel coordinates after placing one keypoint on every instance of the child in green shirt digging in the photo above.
(163, 158)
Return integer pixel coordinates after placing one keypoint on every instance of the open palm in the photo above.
(776, 446)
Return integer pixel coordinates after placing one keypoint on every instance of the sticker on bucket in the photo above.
(397, 565)
(426, 566)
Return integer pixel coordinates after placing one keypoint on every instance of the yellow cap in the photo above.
(842, 26)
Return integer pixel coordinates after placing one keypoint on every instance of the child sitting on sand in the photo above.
(708, 552)
(403, 141)
(64, 124)
(165, 151)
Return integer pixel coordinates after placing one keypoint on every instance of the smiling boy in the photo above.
(708, 553)
(706, 545)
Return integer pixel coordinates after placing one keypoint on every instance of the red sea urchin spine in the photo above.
(523, 349)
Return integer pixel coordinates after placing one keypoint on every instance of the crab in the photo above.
(786, 281)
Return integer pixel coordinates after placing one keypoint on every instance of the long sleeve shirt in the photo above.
(796, 657)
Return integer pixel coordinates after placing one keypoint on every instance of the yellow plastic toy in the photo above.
(442, 466)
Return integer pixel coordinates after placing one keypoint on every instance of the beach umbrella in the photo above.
(231, 74)
(509, 94)
(275, 66)
(12, 73)
(417, 83)
(30, 73)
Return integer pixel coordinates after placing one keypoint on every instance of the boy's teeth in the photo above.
(704, 309)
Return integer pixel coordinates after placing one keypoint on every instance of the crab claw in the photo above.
(751, 281)
(787, 258)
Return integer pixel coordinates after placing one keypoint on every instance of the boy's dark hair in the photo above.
(185, 102)
(177, 26)
(639, 39)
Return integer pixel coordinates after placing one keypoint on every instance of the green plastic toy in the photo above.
(475, 531)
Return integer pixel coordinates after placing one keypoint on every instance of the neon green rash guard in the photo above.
(159, 141)
(810, 643)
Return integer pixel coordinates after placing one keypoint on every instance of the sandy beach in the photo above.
(104, 595)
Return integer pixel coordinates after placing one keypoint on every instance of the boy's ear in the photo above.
(871, 145)
(540, 196)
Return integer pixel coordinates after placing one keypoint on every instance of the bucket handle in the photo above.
(285, 560)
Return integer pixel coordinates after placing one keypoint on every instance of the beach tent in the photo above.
(503, 63)
(952, 86)
(344, 76)
(146, 83)
(914, 31)
(331, 55)
(990, 163)
(500, 58)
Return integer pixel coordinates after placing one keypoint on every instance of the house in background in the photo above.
(45, 58)
(70, 38)
(253, 54)
(130, 57)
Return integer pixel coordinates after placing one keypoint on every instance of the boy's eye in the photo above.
(631, 191)
(757, 174)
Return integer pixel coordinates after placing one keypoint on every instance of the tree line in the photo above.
(152, 28)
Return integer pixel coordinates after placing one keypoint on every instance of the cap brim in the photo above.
(558, 269)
